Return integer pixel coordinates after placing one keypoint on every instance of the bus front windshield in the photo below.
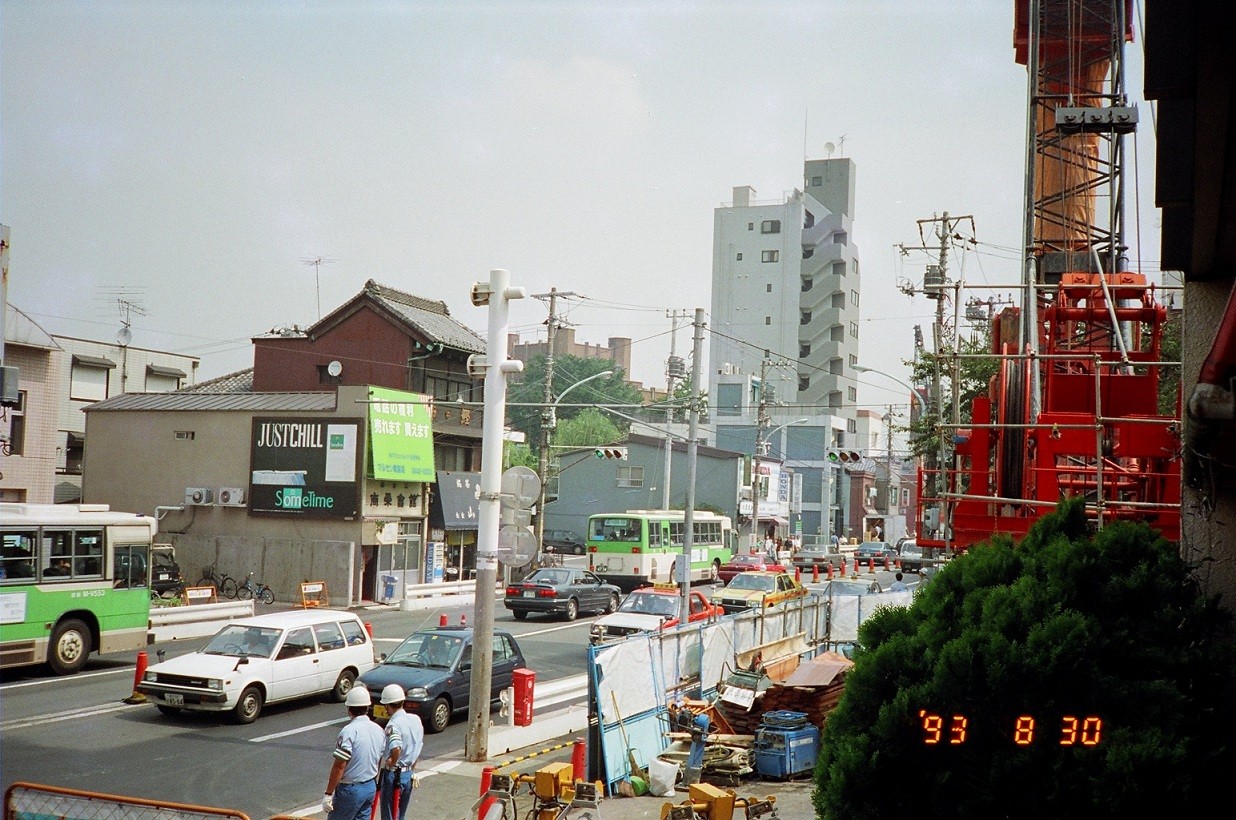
(615, 529)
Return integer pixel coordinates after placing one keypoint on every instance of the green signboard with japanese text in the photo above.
(400, 436)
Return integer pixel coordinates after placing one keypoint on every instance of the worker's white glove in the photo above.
(328, 803)
(416, 780)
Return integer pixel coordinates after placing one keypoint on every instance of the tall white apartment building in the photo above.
(784, 327)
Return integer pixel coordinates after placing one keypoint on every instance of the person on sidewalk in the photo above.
(405, 736)
(352, 784)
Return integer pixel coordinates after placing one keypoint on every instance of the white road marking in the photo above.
(60, 681)
(56, 717)
(308, 728)
(552, 629)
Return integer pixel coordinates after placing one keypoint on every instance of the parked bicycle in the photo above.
(257, 591)
(223, 583)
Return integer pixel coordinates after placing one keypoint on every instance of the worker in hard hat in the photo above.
(405, 736)
(358, 752)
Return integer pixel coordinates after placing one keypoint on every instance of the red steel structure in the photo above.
(1073, 409)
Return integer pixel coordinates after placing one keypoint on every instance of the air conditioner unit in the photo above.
(199, 496)
(232, 496)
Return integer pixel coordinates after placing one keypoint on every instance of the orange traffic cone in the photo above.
(138, 674)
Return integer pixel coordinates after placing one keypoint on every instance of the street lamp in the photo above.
(755, 468)
(922, 402)
(549, 421)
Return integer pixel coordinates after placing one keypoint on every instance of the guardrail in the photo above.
(176, 622)
(427, 596)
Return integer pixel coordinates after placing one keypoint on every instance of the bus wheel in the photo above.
(69, 648)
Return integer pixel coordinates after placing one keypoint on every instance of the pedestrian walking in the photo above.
(405, 737)
(352, 784)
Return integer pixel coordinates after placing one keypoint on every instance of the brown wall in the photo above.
(371, 349)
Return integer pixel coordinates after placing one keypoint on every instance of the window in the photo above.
(838, 301)
(834, 398)
(17, 425)
(851, 425)
(808, 252)
(353, 632)
(329, 637)
(839, 238)
(631, 476)
(768, 320)
(839, 268)
(729, 399)
(804, 349)
(17, 556)
(905, 496)
(854, 329)
(853, 359)
(805, 318)
(740, 256)
(836, 333)
(851, 393)
(835, 367)
(768, 288)
(854, 298)
(817, 181)
(89, 380)
(162, 379)
(769, 256)
(299, 642)
(75, 553)
(770, 226)
(751, 226)
(804, 383)
(808, 284)
(185, 435)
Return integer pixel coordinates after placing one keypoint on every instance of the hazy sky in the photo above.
(187, 156)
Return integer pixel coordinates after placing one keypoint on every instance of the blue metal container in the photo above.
(783, 753)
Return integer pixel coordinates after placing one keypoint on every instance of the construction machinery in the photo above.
(1074, 408)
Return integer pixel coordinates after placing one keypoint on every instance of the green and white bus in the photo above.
(638, 547)
(73, 580)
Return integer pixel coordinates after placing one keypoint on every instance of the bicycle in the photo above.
(258, 591)
(223, 583)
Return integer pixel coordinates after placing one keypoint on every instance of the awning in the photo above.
(776, 519)
(93, 361)
(170, 372)
(454, 505)
(870, 511)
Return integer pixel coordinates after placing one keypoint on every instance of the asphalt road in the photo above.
(77, 732)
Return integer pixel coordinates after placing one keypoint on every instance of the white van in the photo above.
(264, 659)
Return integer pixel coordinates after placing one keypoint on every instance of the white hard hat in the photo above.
(393, 693)
(358, 696)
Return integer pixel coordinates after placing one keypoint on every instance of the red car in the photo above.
(649, 609)
(755, 562)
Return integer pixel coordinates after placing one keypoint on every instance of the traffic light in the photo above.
(844, 456)
(610, 452)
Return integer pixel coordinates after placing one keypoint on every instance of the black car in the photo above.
(434, 667)
(563, 590)
(561, 541)
(165, 576)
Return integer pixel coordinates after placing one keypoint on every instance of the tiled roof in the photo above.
(187, 401)
(430, 317)
(239, 382)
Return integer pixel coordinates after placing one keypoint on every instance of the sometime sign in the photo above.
(306, 467)
(400, 436)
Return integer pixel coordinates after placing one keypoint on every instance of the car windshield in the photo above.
(747, 560)
(429, 649)
(763, 583)
(244, 641)
(554, 577)
(163, 560)
(650, 603)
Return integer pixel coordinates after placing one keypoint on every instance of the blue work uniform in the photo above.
(360, 746)
(404, 732)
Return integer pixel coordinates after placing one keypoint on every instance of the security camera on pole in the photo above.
(496, 293)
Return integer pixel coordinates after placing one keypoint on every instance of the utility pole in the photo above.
(496, 294)
(761, 421)
(547, 413)
(673, 370)
(693, 447)
(888, 489)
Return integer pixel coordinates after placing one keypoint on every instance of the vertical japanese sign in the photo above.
(400, 436)
(306, 467)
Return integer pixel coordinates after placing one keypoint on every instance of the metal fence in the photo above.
(31, 801)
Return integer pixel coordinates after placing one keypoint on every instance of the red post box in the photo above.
(524, 681)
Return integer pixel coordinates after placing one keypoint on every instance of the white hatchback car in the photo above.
(264, 659)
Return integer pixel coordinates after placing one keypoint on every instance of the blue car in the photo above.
(434, 667)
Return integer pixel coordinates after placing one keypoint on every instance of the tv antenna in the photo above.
(127, 309)
(317, 262)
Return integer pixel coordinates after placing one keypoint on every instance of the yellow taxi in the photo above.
(756, 590)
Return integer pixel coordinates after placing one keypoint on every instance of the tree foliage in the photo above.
(589, 428)
(1065, 623)
(525, 397)
(974, 371)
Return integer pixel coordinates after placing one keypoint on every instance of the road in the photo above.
(76, 732)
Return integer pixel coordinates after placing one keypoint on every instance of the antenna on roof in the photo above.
(318, 262)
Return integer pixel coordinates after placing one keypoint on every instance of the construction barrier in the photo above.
(313, 593)
(23, 801)
(201, 595)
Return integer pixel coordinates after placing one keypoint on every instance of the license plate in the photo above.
(163, 576)
(380, 712)
(174, 700)
(529, 594)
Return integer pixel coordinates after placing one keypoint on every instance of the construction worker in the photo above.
(405, 736)
(352, 784)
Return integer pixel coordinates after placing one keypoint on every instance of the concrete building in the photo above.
(326, 473)
(28, 436)
(616, 351)
(785, 310)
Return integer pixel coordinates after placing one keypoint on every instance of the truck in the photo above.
(892, 528)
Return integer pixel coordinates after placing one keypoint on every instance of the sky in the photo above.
(187, 158)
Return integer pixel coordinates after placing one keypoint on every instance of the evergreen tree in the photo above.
(1063, 624)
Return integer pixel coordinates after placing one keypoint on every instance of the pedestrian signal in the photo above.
(844, 456)
(610, 452)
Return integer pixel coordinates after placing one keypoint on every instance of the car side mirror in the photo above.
(465, 666)
(382, 656)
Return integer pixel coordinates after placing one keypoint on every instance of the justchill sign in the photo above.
(306, 467)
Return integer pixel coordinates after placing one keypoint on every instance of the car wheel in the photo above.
(168, 710)
(69, 648)
(572, 609)
(579, 549)
(347, 678)
(520, 614)
(439, 715)
(613, 603)
(250, 705)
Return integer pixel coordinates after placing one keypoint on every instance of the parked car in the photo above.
(434, 667)
(648, 609)
(561, 541)
(165, 576)
(563, 590)
(264, 659)
(755, 562)
(875, 551)
(845, 586)
(754, 590)
(913, 557)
